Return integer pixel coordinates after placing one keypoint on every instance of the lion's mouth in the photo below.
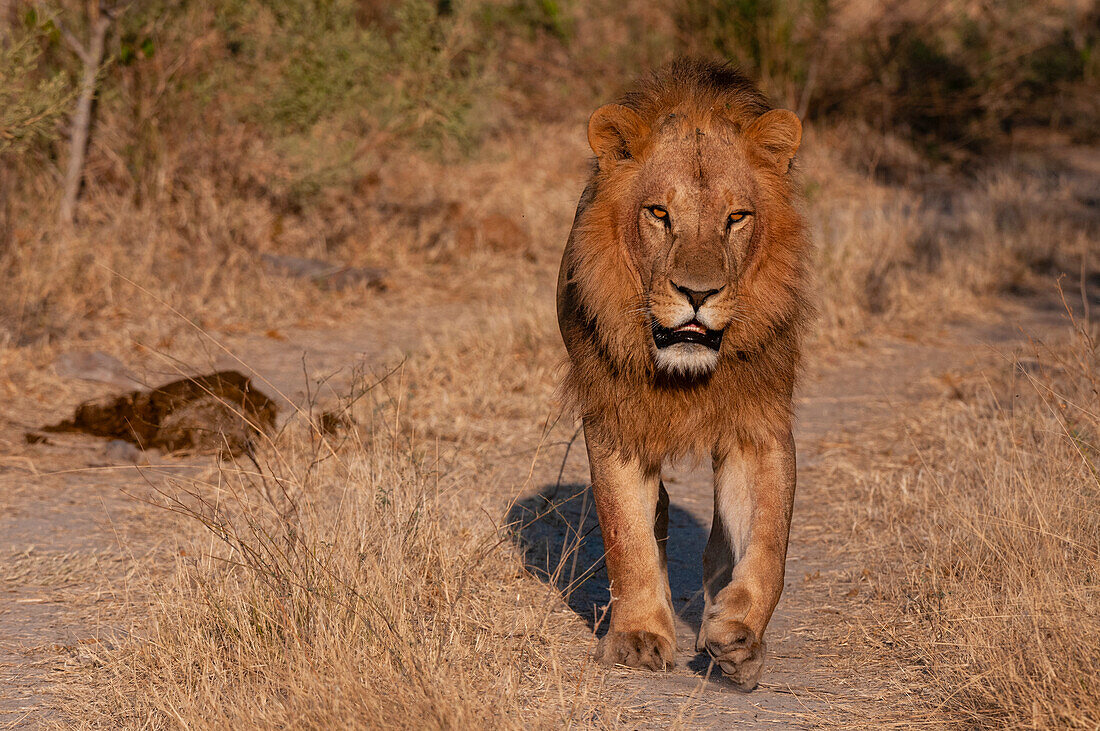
(692, 332)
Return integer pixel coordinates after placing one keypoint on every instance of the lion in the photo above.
(683, 300)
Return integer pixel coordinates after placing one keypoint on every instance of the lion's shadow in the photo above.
(560, 537)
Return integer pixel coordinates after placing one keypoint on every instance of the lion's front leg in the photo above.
(744, 560)
(627, 492)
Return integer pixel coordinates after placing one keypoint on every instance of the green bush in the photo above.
(962, 78)
(952, 76)
(33, 98)
(311, 61)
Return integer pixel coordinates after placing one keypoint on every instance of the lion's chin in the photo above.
(690, 360)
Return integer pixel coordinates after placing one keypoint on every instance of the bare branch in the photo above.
(82, 117)
(76, 46)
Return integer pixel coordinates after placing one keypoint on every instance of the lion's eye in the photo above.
(737, 217)
(658, 212)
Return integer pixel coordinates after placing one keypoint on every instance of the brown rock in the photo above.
(219, 412)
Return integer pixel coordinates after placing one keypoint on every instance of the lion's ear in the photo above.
(778, 133)
(615, 133)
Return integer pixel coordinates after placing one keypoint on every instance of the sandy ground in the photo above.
(72, 521)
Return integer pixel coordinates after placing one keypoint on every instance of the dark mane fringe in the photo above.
(693, 86)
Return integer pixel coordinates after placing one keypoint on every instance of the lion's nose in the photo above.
(696, 297)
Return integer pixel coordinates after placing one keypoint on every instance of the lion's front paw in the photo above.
(738, 651)
(638, 649)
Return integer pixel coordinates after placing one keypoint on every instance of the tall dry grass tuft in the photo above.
(990, 546)
(918, 255)
(345, 582)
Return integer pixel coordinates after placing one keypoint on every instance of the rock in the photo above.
(94, 365)
(322, 273)
(205, 425)
(219, 412)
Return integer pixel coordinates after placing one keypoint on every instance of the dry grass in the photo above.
(986, 529)
(902, 257)
(346, 582)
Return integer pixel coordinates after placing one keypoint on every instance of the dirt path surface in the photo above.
(70, 524)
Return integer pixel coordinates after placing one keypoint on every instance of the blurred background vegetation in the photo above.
(449, 74)
(229, 127)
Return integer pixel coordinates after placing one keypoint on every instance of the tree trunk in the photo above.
(7, 20)
(6, 191)
(92, 56)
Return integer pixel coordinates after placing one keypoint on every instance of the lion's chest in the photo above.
(658, 422)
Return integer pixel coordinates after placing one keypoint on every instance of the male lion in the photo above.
(682, 302)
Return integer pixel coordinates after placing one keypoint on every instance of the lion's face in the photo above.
(694, 205)
(696, 214)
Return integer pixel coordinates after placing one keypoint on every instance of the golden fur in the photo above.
(691, 200)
